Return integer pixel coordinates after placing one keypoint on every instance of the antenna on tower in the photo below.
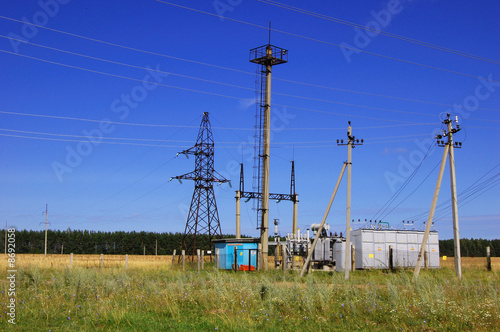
(269, 32)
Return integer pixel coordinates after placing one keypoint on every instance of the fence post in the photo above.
(391, 258)
(202, 259)
(426, 260)
(183, 252)
(284, 258)
(173, 258)
(217, 256)
(259, 257)
(353, 258)
(126, 261)
(488, 259)
(71, 260)
(235, 266)
(249, 260)
(198, 258)
(102, 260)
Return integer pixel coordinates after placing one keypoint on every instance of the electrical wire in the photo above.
(218, 128)
(386, 206)
(188, 89)
(217, 82)
(381, 32)
(210, 65)
(329, 43)
(468, 192)
(409, 195)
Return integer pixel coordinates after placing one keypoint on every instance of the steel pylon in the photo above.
(203, 217)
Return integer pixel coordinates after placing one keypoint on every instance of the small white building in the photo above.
(372, 248)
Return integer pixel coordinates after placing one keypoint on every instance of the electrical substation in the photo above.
(373, 245)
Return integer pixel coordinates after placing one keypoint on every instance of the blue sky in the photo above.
(152, 68)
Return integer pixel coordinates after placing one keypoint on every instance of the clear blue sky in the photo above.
(394, 90)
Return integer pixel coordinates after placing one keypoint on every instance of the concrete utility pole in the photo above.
(267, 55)
(351, 143)
(238, 215)
(448, 150)
(431, 214)
(454, 207)
(46, 209)
(305, 268)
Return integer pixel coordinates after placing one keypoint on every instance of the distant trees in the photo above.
(470, 247)
(134, 243)
(92, 242)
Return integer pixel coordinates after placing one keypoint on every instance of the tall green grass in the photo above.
(115, 299)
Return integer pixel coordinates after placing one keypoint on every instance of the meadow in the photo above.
(151, 295)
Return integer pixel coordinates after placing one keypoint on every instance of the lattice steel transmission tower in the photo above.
(203, 217)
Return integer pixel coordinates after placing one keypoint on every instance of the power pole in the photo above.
(351, 143)
(268, 56)
(203, 217)
(448, 150)
(46, 209)
(453, 183)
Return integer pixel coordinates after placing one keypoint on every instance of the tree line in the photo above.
(150, 243)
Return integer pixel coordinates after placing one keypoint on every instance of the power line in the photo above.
(217, 82)
(329, 43)
(386, 206)
(474, 187)
(381, 32)
(191, 142)
(211, 65)
(187, 89)
(218, 128)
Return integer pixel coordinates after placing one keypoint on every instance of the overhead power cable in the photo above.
(386, 206)
(224, 84)
(190, 90)
(220, 144)
(329, 43)
(380, 32)
(190, 142)
(470, 190)
(184, 126)
(219, 67)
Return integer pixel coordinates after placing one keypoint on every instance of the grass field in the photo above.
(150, 295)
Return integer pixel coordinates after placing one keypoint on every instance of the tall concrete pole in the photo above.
(454, 207)
(238, 215)
(46, 208)
(348, 208)
(264, 231)
(431, 213)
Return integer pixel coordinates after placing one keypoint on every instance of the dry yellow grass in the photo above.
(165, 261)
(472, 262)
(62, 261)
